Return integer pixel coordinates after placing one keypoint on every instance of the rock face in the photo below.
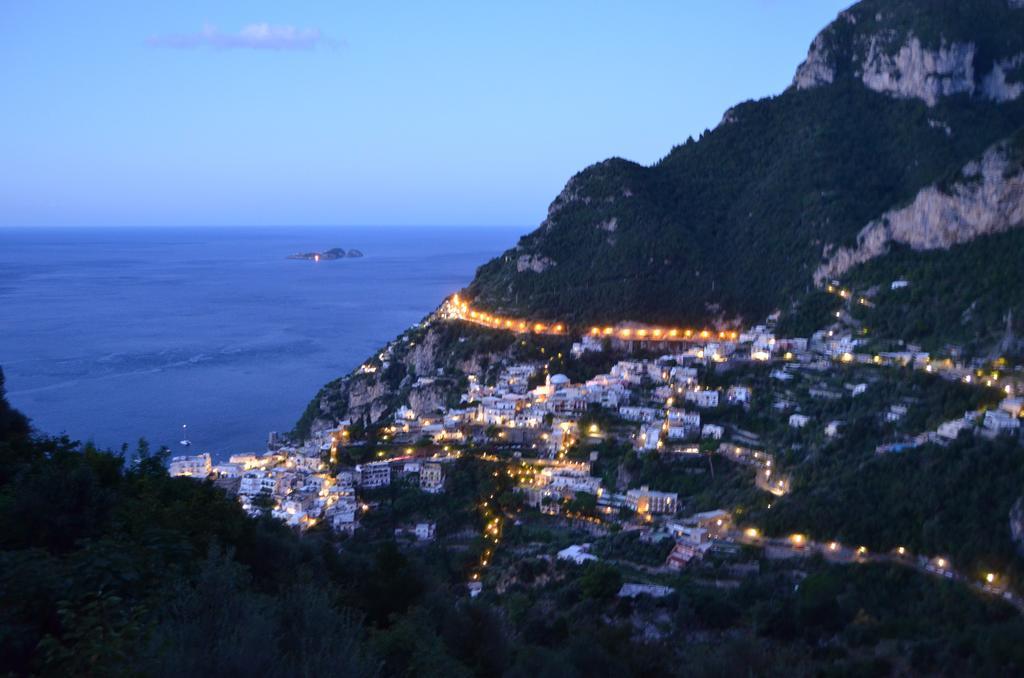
(915, 72)
(887, 57)
(375, 394)
(532, 262)
(817, 70)
(988, 198)
(429, 398)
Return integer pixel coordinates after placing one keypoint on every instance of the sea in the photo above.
(110, 335)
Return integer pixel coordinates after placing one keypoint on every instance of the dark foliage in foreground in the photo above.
(110, 567)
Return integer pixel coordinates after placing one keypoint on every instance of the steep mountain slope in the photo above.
(895, 98)
(971, 295)
(922, 50)
(901, 137)
(986, 198)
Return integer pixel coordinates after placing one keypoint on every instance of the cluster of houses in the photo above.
(654, 513)
(694, 537)
(530, 408)
(1005, 420)
(527, 408)
(294, 484)
(557, 480)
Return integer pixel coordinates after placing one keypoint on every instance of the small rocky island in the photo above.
(327, 255)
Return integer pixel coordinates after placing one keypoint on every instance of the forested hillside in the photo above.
(736, 223)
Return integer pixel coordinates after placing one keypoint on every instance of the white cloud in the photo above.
(252, 36)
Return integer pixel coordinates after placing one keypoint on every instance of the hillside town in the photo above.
(689, 340)
(667, 394)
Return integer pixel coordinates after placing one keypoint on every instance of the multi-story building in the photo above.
(646, 500)
(649, 437)
(257, 482)
(703, 398)
(192, 466)
(798, 420)
(344, 516)
(715, 523)
(738, 395)
(375, 474)
(432, 477)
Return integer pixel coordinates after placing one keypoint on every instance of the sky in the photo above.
(338, 112)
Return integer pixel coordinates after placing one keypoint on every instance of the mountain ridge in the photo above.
(736, 224)
(836, 179)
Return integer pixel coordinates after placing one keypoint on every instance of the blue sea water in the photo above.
(112, 334)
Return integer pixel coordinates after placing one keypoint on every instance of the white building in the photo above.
(738, 395)
(404, 415)
(950, 430)
(645, 500)
(253, 482)
(686, 376)
(228, 470)
(683, 418)
(577, 553)
(343, 517)
(246, 461)
(375, 474)
(588, 343)
(716, 522)
(703, 398)
(561, 436)
(630, 371)
(558, 381)
(644, 414)
(432, 477)
(798, 420)
(1001, 421)
(650, 437)
(191, 466)
(895, 413)
(691, 534)
(498, 411)
(713, 431)
(677, 432)
(570, 480)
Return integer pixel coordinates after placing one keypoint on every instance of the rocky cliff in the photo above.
(424, 368)
(884, 46)
(987, 198)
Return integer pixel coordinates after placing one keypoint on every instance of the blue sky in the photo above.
(338, 112)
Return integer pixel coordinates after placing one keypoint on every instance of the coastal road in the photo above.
(796, 546)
